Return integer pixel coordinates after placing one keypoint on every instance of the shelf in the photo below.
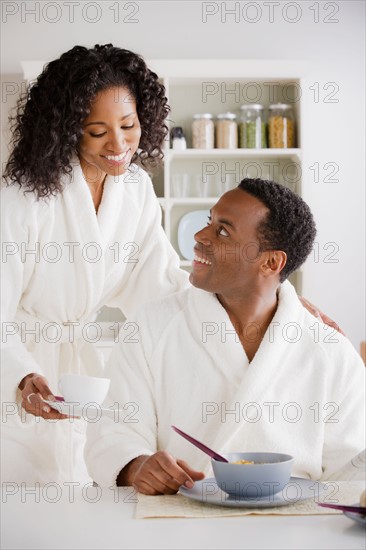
(167, 203)
(193, 200)
(294, 154)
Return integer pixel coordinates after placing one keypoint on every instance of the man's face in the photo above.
(230, 245)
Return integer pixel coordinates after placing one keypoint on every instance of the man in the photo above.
(236, 361)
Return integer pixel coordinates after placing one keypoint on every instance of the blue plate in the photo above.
(298, 489)
(188, 225)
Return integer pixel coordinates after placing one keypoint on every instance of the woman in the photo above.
(92, 219)
(82, 229)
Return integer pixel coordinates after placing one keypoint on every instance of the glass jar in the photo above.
(226, 131)
(281, 126)
(252, 128)
(203, 131)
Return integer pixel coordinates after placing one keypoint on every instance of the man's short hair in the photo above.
(288, 226)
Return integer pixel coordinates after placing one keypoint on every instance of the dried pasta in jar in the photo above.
(281, 126)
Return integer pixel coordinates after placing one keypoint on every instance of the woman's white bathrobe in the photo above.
(303, 393)
(61, 263)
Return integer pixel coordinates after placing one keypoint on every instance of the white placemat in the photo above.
(178, 506)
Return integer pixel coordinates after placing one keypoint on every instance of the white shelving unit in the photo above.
(217, 86)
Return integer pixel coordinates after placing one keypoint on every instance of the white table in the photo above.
(34, 521)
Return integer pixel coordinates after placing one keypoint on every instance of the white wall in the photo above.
(333, 132)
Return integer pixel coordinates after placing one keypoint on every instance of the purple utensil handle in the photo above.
(344, 508)
(200, 445)
(59, 398)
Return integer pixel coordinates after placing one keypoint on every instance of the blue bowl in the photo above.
(267, 476)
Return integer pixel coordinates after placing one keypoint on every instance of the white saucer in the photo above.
(90, 410)
(207, 491)
(188, 225)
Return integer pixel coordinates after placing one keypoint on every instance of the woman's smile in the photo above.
(117, 160)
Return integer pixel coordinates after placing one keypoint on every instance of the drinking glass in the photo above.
(181, 185)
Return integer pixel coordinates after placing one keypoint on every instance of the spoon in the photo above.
(201, 446)
(344, 507)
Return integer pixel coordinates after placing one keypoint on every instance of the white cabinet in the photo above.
(208, 86)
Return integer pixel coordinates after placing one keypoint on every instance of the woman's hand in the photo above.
(34, 387)
(159, 474)
(320, 315)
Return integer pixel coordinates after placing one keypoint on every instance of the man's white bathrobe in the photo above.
(61, 263)
(303, 392)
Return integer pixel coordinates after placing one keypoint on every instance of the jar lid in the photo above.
(280, 106)
(255, 106)
(227, 116)
(203, 115)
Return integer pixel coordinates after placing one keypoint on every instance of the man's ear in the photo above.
(274, 262)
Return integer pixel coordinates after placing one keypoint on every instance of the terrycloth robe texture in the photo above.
(303, 393)
(61, 264)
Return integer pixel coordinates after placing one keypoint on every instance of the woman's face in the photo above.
(111, 135)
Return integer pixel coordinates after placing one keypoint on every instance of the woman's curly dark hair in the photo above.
(48, 124)
(288, 226)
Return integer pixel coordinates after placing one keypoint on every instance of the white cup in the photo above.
(77, 388)
(205, 186)
(181, 185)
(225, 183)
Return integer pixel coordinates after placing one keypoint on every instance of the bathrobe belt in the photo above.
(32, 328)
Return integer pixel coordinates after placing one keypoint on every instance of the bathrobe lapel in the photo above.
(109, 210)
(214, 331)
(82, 225)
(271, 359)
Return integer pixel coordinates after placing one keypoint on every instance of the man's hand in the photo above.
(320, 315)
(34, 388)
(159, 474)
